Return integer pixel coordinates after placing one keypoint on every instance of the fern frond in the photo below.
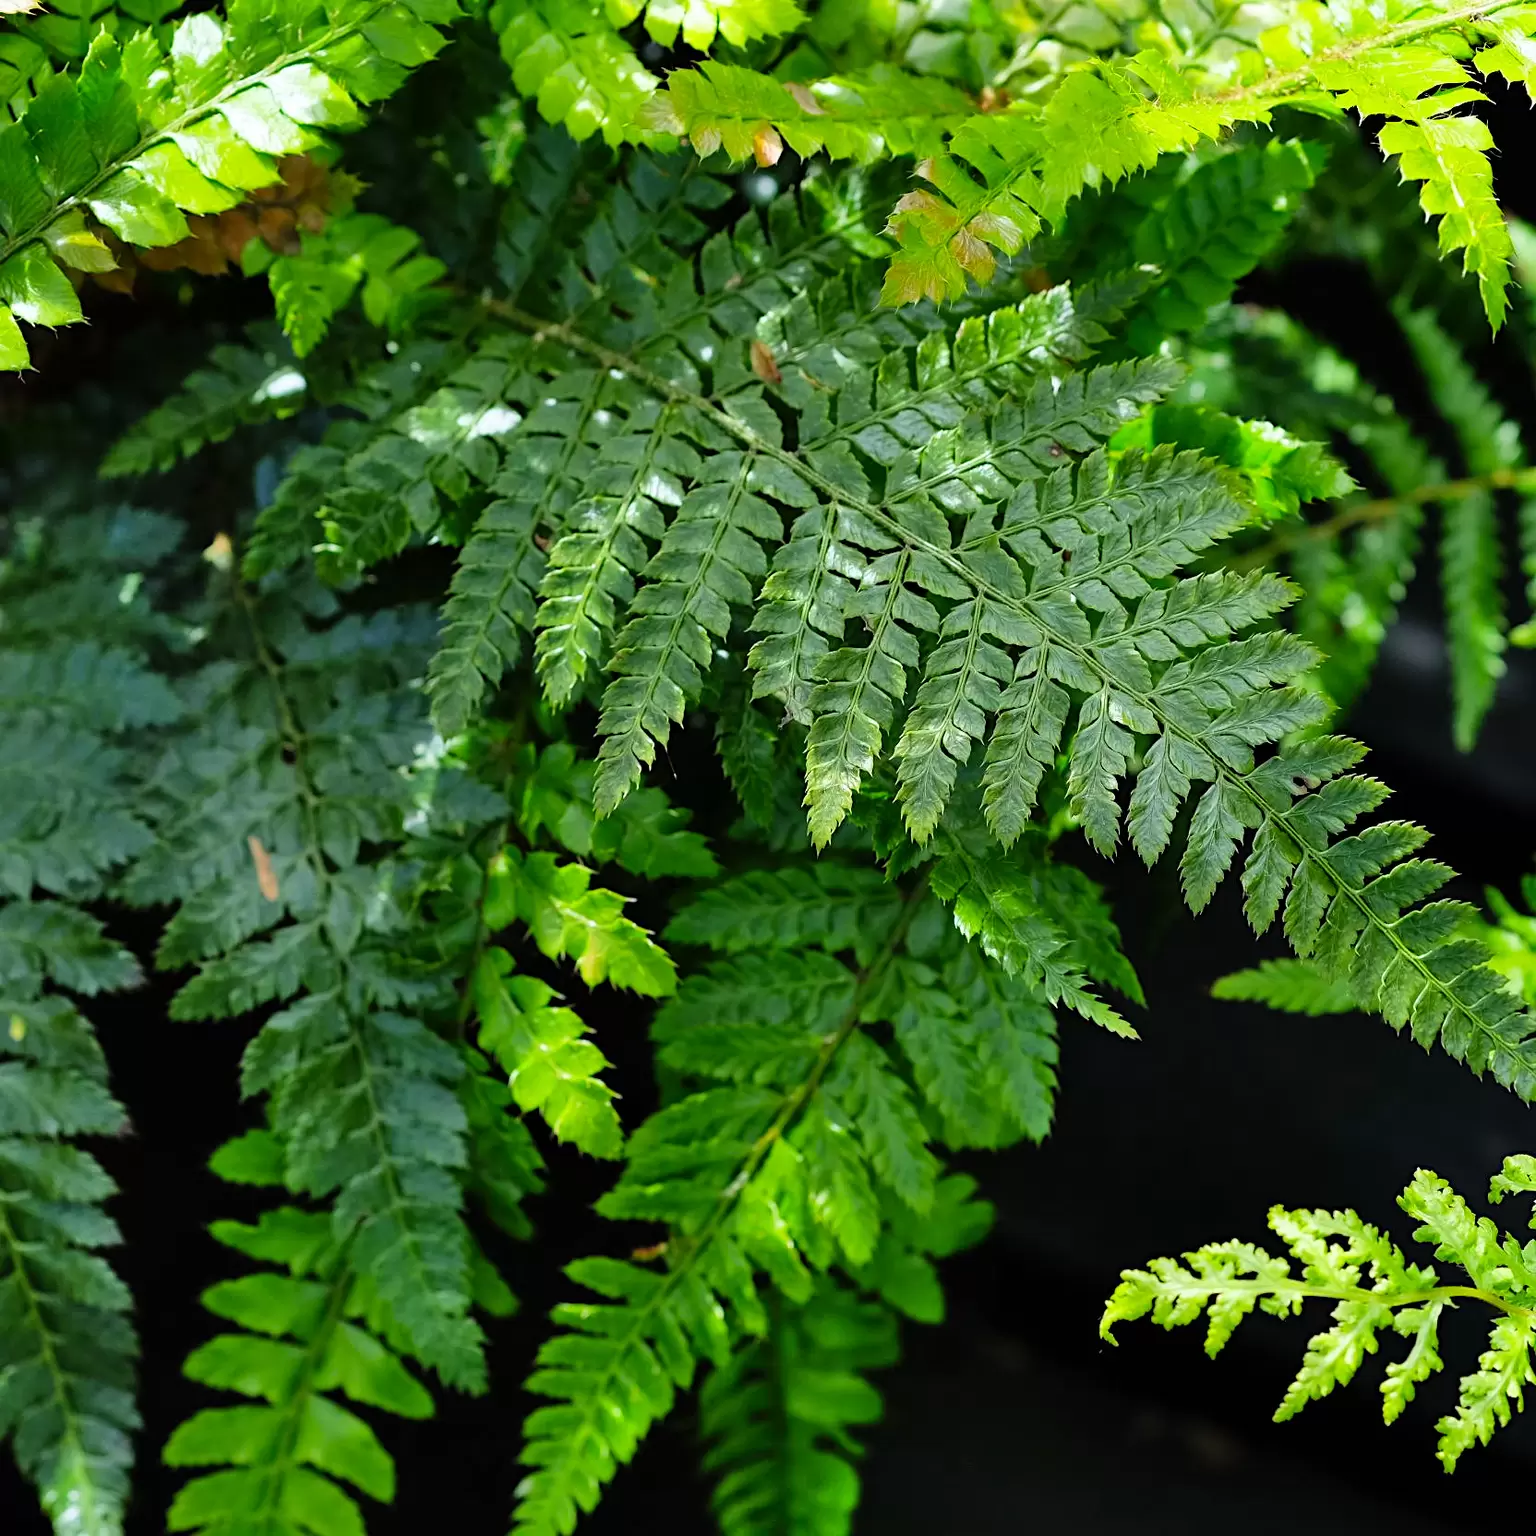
(1005, 175)
(1471, 559)
(544, 1049)
(75, 694)
(780, 1412)
(1374, 1290)
(68, 28)
(1075, 563)
(862, 117)
(1279, 472)
(297, 751)
(551, 790)
(307, 1330)
(1216, 225)
(354, 252)
(1352, 574)
(568, 58)
(147, 132)
(802, 1147)
(1293, 986)
(66, 1345)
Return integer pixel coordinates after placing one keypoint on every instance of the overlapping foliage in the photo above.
(1054, 549)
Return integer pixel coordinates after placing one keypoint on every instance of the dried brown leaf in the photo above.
(763, 364)
(266, 876)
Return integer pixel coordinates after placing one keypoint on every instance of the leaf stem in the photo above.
(1382, 507)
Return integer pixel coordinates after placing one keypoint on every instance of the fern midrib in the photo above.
(57, 1376)
(269, 1504)
(187, 120)
(692, 1247)
(947, 557)
(296, 742)
(1304, 1292)
(1382, 507)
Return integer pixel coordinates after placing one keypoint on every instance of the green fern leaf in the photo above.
(780, 1412)
(1471, 560)
(1293, 986)
(304, 1334)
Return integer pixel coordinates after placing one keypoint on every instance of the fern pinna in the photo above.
(868, 392)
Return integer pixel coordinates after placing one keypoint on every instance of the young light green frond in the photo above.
(570, 920)
(866, 116)
(569, 59)
(1375, 1290)
(146, 133)
(1293, 986)
(544, 1050)
(1005, 174)
(1279, 472)
(291, 1460)
(779, 1412)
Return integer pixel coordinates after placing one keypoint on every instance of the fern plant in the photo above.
(852, 418)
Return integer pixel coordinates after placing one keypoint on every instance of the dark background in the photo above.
(1013, 1415)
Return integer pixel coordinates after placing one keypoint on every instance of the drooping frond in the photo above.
(1471, 558)
(780, 1411)
(75, 693)
(799, 1145)
(1375, 1291)
(269, 812)
(310, 1327)
(66, 1345)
